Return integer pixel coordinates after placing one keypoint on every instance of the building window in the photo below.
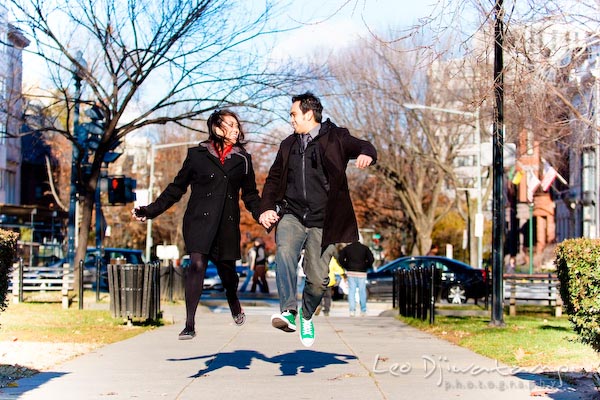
(588, 175)
(11, 187)
(2, 129)
(2, 87)
(529, 143)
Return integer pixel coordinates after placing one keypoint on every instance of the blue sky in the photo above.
(324, 23)
(338, 22)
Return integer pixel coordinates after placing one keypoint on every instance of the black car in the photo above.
(460, 281)
(212, 280)
(111, 255)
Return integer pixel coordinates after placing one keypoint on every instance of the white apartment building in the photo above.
(12, 43)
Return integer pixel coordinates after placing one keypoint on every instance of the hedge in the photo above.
(8, 252)
(578, 267)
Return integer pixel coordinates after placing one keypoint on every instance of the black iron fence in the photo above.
(415, 292)
(172, 280)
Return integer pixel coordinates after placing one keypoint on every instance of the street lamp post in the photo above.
(75, 156)
(479, 217)
(153, 149)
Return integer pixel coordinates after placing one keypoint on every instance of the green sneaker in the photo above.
(286, 321)
(307, 331)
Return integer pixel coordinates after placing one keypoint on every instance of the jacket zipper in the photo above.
(304, 185)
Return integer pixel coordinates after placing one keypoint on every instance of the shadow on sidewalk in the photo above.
(300, 361)
(26, 384)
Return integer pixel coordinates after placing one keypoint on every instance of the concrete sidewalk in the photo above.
(372, 357)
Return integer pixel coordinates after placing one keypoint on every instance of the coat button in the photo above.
(208, 194)
(205, 214)
(230, 218)
(230, 196)
(212, 176)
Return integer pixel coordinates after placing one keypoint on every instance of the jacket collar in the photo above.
(207, 145)
(237, 152)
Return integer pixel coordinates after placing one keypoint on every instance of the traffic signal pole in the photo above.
(74, 160)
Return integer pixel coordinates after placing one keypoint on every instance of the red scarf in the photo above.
(222, 154)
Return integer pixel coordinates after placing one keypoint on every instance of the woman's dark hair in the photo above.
(310, 102)
(216, 120)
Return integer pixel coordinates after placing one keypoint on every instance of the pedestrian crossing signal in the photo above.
(121, 190)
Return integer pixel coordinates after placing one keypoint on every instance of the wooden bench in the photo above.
(41, 279)
(532, 288)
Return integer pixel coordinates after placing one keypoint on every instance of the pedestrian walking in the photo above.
(216, 170)
(335, 271)
(258, 265)
(249, 273)
(356, 259)
(306, 195)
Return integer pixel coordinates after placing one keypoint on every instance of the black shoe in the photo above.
(187, 334)
(240, 318)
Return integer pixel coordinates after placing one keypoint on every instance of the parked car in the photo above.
(212, 280)
(111, 255)
(460, 281)
(242, 269)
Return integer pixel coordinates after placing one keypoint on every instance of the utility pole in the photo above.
(498, 221)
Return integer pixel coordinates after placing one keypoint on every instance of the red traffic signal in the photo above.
(120, 189)
(116, 190)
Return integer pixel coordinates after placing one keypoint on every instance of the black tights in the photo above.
(194, 282)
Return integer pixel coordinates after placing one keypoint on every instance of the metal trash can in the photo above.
(134, 291)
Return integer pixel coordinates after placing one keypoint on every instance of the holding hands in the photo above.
(268, 219)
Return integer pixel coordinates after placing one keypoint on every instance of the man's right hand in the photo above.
(268, 218)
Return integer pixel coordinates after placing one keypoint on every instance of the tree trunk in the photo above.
(86, 206)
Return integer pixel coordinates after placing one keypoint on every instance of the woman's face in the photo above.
(229, 129)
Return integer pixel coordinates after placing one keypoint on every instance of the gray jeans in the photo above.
(291, 236)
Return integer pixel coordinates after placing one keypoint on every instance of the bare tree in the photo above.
(544, 42)
(370, 86)
(147, 63)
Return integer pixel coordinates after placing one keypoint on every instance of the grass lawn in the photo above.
(533, 338)
(49, 322)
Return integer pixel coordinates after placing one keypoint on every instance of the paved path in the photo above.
(372, 357)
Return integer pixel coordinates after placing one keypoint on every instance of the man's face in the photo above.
(302, 123)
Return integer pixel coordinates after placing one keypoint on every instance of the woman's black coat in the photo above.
(211, 224)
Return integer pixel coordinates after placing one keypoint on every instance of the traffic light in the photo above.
(94, 130)
(121, 189)
(116, 190)
(130, 185)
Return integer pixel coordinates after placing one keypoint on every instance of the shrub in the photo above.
(8, 251)
(578, 268)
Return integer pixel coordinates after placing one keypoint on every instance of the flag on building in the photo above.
(517, 177)
(532, 184)
(550, 175)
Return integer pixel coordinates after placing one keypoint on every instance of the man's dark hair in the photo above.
(310, 102)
